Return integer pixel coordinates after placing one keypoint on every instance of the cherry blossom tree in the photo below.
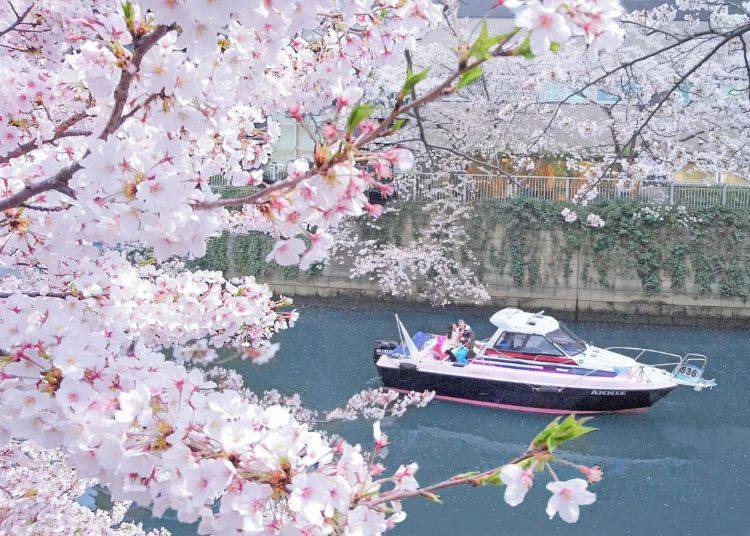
(673, 97)
(113, 118)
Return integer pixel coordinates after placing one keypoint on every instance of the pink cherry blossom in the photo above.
(569, 215)
(287, 252)
(545, 25)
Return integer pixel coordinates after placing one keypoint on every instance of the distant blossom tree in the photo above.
(113, 117)
(674, 96)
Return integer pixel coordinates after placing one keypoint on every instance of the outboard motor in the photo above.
(382, 348)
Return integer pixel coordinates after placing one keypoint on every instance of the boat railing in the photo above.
(680, 359)
(641, 352)
(687, 369)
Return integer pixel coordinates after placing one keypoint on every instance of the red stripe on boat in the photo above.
(530, 357)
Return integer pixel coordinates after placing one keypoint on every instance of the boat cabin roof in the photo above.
(517, 321)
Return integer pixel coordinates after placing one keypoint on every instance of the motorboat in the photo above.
(533, 362)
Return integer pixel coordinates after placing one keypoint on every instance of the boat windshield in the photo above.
(567, 340)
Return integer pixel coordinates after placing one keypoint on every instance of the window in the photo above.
(538, 344)
(630, 89)
(685, 89)
(511, 341)
(605, 97)
(567, 340)
(558, 92)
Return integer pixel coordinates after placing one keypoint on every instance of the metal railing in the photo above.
(477, 188)
(271, 173)
(473, 188)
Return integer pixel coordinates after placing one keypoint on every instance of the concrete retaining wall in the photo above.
(620, 298)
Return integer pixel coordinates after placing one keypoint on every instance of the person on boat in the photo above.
(439, 350)
(504, 343)
(459, 354)
(455, 334)
(467, 337)
(462, 325)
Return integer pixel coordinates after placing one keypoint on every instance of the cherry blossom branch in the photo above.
(442, 89)
(141, 45)
(417, 115)
(59, 181)
(484, 163)
(458, 480)
(747, 62)
(60, 295)
(19, 18)
(663, 99)
(623, 66)
(61, 131)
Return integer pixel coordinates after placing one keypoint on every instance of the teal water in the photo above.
(680, 469)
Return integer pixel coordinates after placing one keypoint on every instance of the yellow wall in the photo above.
(690, 174)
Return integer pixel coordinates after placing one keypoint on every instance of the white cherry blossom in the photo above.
(518, 482)
(566, 498)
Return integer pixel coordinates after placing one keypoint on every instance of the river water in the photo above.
(680, 469)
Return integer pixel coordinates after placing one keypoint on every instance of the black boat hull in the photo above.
(520, 396)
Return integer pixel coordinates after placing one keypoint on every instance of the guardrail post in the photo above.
(724, 194)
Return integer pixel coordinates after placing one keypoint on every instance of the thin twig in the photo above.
(19, 18)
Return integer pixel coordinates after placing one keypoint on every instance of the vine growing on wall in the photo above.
(706, 246)
(245, 254)
(705, 250)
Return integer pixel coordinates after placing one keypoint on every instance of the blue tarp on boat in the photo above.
(419, 338)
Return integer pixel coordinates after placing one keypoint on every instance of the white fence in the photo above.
(476, 188)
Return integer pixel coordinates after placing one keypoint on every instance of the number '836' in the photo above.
(689, 371)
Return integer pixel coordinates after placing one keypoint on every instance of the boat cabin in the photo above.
(522, 335)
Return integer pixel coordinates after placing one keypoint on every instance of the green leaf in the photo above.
(524, 49)
(480, 49)
(469, 76)
(412, 79)
(359, 114)
(398, 124)
(128, 12)
(547, 432)
(556, 433)
(493, 479)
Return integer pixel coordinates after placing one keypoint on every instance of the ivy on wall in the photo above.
(706, 249)
(246, 255)
(658, 242)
